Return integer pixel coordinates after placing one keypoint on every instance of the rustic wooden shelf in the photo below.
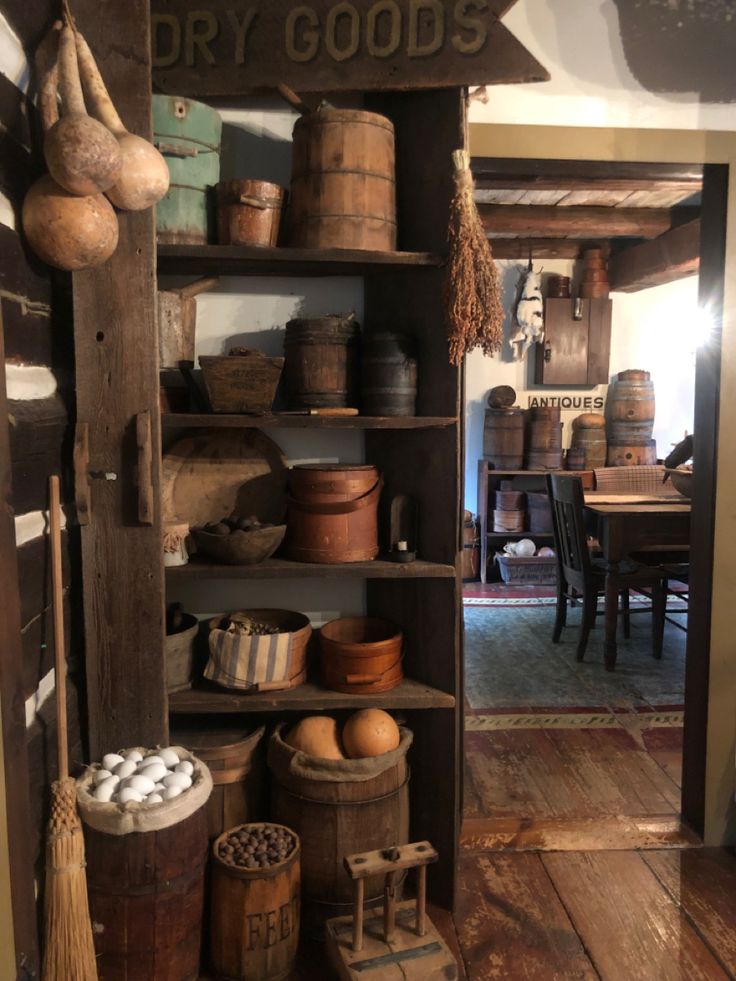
(519, 534)
(185, 420)
(236, 260)
(287, 569)
(308, 697)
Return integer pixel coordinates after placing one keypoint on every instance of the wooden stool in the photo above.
(399, 941)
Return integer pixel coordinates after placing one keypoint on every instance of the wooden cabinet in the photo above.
(574, 351)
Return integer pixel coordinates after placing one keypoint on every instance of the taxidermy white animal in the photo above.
(529, 315)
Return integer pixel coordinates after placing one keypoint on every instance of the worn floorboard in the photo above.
(630, 926)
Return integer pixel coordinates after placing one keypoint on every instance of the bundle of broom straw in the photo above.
(472, 291)
(69, 953)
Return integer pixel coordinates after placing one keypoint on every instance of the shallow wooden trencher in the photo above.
(399, 942)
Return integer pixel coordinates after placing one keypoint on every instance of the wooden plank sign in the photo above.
(216, 47)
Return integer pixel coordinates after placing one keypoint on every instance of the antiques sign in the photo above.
(233, 47)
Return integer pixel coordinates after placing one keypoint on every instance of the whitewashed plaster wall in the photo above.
(254, 311)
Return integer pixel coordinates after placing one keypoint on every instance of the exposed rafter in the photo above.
(674, 255)
(551, 222)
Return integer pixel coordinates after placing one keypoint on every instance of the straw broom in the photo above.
(472, 293)
(69, 953)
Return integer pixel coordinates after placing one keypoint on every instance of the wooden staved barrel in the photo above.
(589, 435)
(631, 452)
(335, 814)
(322, 363)
(236, 760)
(343, 182)
(471, 548)
(539, 512)
(630, 406)
(503, 438)
(333, 513)
(255, 915)
(544, 439)
(389, 375)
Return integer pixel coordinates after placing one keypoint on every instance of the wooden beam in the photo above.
(490, 168)
(672, 256)
(527, 182)
(545, 221)
(543, 248)
(116, 347)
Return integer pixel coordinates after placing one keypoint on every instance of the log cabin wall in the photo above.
(37, 409)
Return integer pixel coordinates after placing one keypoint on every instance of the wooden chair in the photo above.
(581, 578)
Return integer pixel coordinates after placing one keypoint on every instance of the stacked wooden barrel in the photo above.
(630, 415)
(589, 435)
(594, 283)
(509, 511)
(322, 366)
(544, 439)
(389, 375)
(503, 438)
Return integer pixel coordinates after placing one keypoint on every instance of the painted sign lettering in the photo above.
(328, 45)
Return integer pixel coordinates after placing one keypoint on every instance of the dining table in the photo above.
(628, 523)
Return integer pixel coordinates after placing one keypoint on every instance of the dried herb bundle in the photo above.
(472, 290)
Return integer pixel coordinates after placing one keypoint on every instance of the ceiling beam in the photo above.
(491, 167)
(543, 248)
(528, 182)
(530, 221)
(672, 256)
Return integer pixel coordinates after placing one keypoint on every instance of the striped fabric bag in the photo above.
(239, 660)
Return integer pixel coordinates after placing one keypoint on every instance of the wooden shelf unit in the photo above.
(420, 456)
(213, 420)
(309, 697)
(238, 260)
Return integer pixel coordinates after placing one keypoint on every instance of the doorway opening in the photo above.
(559, 753)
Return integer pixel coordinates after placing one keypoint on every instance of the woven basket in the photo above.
(538, 569)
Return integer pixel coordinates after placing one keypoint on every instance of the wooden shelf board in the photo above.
(186, 420)
(524, 473)
(236, 260)
(308, 697)
(520, 534)
(288, 569)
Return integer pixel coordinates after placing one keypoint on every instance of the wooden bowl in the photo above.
(682, 481)
(240, 547)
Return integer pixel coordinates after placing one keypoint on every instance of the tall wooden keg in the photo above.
(630, 406)
(589, 435)
(634, 452)
(503, 438)
(544, 439)
(343, 182)
(389, 375)
(322, 362)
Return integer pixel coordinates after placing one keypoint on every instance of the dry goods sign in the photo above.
(229, 48)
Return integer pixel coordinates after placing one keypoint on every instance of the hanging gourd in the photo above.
(472, 291)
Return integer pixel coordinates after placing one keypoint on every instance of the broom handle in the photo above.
(58, 604)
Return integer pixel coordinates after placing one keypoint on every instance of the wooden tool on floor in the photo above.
(398, 942)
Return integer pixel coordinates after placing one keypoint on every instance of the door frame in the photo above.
(709, 777)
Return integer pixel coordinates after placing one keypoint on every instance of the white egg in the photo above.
(150, 760)
(101, 775)
(154, 799)
(111, 760)
(170, 792)
(105, 790)
(128, 794)
(181, 780)
(169, 757)
(134, 755)
(159, 788)
(155, 772)
(184, 767)
(144, 785)
(125, 769)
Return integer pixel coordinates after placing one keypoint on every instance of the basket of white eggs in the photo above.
(142, 789)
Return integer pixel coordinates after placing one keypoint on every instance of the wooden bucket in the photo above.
(236, 760)
(238, 383)
(322, 363)
(594, 446)
(575, 458)
(249, 212)
(631, 452)
(343, 183)
(335, 814)
(254, 920)
(361, 654)
(540, 513)
(179, 652)
(333, 513)
(389, 375)
(187, 133)
(630, 406)
(544, 439)
(503, 438)
(509, 521)
(471, 549)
